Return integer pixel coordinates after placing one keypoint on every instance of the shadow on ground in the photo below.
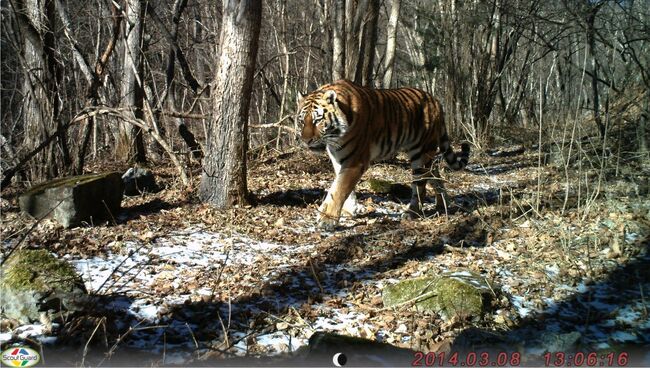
(196, 328)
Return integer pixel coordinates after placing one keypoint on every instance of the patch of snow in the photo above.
(47, 340)
(602, 346)
(622, 336)
(631, 237)
(176, 358)
(519, 302)
(582, 288)
(461, 273)
(33, 331)
(401, 328)
(142, 310)
(280, 342)
(603, 307)
(628, 315)
(552, 270)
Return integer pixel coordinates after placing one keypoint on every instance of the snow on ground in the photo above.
(194, 282)
(134, 269)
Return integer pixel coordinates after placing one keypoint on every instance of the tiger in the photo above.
(357, 125)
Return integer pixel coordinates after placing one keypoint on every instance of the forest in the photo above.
(159, 204)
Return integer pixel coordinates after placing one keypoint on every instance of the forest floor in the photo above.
(187, 284)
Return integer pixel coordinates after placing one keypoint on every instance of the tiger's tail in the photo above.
(456, 161)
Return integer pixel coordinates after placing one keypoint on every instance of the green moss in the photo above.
(456, 297)
(36, 269)
(450, 294)
(421, 288)
(381, 186)
(68, 181)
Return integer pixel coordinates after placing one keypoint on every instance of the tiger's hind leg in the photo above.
(420, 168)
(418, 193)
(442, 199)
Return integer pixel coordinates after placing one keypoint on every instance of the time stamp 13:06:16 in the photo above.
(502, 359)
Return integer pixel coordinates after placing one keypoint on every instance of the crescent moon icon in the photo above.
(339, 359)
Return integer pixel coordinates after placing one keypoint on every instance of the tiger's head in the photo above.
(321, 120)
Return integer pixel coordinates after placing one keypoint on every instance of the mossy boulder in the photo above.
(73, 200)
(33, 281)
(381, 186)
(460, 293)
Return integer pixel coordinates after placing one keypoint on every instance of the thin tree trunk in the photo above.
(223, 183)
(391, 37)
(369, 42)
(591, 46)
(131, 141)
(338, 42)
(355, 12)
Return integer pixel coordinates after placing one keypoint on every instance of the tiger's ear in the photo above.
(330, 96)
(299, 97)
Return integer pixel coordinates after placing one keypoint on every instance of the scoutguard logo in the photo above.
(20, 356)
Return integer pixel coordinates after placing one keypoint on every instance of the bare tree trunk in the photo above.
(130, 140)
(42, 76)
(591, 46)
(368, 44)
(338, 42)
(223, 183)
(355, 11)
(391, 37)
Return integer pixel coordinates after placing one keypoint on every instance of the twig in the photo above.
(313, 271)
(225, 330)
(416, 299)
(192, 334)
(411, 301)
(643, 301)
(83, 357)
(109, 212)
(118, 266)
(11, 251)
(287, 322)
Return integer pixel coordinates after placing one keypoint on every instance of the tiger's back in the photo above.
(358, 125)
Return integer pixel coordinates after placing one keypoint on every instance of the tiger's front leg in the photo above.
(330, 211)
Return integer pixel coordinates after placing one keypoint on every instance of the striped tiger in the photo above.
(358, 125)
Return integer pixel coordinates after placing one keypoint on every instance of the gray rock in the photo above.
(460, 293)
(33, 282)
(71, 200)
(137, 181)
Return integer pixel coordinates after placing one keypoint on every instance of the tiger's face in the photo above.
(321, 120)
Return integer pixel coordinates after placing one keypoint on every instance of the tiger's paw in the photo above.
(327, 223)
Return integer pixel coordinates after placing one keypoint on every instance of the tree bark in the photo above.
(391, 37)
(368, 44)
(338, 41)
(355, 11)
(42, 79)
(591, 51)
(130, 139)
(223, 183)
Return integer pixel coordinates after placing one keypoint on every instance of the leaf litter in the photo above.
(194, 282)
